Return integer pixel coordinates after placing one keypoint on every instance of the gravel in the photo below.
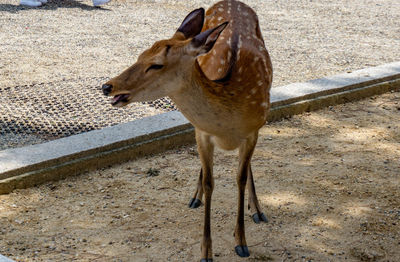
(69, 48)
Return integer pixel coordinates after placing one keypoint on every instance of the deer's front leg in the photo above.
(245, 153)
(206, 151)
(195, 202)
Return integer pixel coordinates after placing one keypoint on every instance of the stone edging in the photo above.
(58, 159)
(5, 259)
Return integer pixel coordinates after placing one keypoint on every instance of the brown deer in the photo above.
(218, 72)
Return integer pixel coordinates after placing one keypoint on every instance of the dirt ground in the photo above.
(328, 181)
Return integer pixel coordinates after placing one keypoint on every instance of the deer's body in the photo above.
(218, 72)
(229, 95)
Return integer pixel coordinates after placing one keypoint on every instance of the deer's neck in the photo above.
(196, 99)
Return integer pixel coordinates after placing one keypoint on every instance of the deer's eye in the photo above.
(155, 67)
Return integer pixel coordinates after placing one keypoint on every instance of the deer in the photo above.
(217, 71)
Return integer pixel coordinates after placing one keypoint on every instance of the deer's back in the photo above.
(239, 60)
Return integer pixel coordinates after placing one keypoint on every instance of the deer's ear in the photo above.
(205, 41)
(192, 24)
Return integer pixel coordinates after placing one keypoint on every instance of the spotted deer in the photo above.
(217, 71)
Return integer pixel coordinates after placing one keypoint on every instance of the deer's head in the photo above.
(165, 67)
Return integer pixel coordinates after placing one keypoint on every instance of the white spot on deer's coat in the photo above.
(229, 41)
(239, 79)
(259, 83)
(264, 104)
(265, 61)
(261, 48)
(214, 52)
(247, 97)
(239, 46)
(222, 62)
(253, 102)
(220, 9)
(256, 59)
(220, 18)
(219, 70)
(253, 90)
(240, 70)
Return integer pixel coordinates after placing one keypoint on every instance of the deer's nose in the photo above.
(106, 89)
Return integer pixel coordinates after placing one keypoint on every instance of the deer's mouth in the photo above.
(120, 100)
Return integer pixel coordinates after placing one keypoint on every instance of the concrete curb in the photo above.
(58, 159)
(5, 259)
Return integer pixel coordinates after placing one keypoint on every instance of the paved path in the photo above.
(5, 259)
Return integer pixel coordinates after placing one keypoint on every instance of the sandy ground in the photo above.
(328, 181)
(70, 39)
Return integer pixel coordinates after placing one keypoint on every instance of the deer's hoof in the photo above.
(194, 203)
(242, 251)
(257, 218)
(206, 260)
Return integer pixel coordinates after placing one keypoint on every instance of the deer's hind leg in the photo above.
(195, 202)
(253, 204)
